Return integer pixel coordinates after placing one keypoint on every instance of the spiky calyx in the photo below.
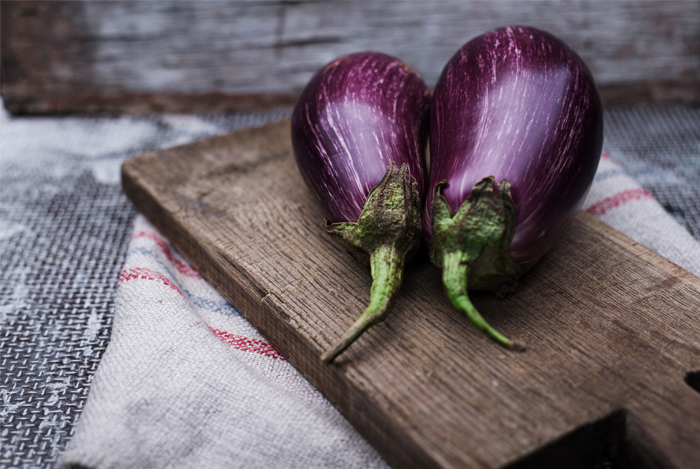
(387, 235)
(472, 247)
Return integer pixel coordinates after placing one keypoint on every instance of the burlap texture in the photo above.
(187, 382)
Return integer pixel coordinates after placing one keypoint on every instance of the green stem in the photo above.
(387, 265)
(454, 278)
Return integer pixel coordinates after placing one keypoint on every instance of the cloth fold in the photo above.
(187, 382)
(622, 203)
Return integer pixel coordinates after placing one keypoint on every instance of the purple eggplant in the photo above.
(519, 106)
(359, 134)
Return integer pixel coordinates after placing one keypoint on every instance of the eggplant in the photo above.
(359, 132)
(517, 105)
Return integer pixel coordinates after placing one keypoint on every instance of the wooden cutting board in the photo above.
(612, 329)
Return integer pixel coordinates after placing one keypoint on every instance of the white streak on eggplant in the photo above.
(355, 116)
(517, 103)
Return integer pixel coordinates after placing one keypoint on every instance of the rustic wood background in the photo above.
(178, 55)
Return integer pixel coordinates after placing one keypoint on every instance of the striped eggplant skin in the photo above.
(356, 115)
(359, 134)
(518, 104)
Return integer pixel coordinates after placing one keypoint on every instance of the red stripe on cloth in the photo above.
(246, 344)
(146, 274)
(616, 200)
(605, 155)
(182, 267)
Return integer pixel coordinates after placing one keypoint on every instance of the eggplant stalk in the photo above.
(387, 274)
(387, 235)
(472, 248)
(455, 274)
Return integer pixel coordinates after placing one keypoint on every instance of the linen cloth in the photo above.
(187, 382)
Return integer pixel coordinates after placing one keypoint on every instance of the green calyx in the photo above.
(472, 248)
(386, 236)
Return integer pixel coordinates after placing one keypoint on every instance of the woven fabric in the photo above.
(65, 229)
(660, 149)
(186, 381)
(624, 204)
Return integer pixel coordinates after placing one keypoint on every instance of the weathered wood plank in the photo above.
(611, 328)
(73, 56)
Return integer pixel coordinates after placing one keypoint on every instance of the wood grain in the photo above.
(612, 329)
(189, 56)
